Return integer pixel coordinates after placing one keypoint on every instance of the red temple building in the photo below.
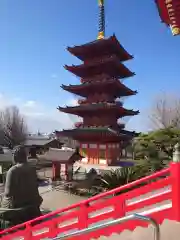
(102, 138)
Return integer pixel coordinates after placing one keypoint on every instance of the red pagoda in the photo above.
(101, 137)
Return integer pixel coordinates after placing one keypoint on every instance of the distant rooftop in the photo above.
(61, 155)
(38, 141)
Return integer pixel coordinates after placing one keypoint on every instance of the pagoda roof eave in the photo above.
(94, 132)
(83, 110)
(168, 14)
(109, 45)
(111, 67)
(84, 89)
(163, 11)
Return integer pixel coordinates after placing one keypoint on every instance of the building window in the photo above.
(102, 146)
(84, 145)
(93, 146)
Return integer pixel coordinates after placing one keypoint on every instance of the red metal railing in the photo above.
(149, 220)
(158, 196)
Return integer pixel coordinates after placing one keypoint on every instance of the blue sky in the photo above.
(34, 37)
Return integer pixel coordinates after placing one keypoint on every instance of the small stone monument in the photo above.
(176, 153)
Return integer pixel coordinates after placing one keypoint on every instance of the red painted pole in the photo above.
(106, 154)
(53, 171)
(56, 170)
(175, 176)
(88, 153)
(98, 152)
(66, 172)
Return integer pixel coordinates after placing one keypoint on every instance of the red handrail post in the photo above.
(119, 206)
(28, 231)
(175, 178)
(83, 216)
(53, 229)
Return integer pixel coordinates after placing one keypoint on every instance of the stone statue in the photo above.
(21, 189)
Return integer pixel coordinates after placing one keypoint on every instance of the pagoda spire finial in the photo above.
(101, 33)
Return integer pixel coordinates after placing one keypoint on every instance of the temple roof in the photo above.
(41, 142)
(110, 66)
(114, 86)
(163, 12)
(99, 109)
(61, 155)
(107, 46)
(97, 134)
(174, 9)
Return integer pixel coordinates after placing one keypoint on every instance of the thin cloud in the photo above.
(37, 114)
(54, 75)
(30, 104)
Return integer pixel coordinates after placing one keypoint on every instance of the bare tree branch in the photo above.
(13, 129)
(165, 112)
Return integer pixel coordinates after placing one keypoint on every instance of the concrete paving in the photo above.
(57, 199)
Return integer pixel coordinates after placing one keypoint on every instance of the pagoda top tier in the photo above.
(103, 47)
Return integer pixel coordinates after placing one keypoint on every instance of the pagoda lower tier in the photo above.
(100, 145)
